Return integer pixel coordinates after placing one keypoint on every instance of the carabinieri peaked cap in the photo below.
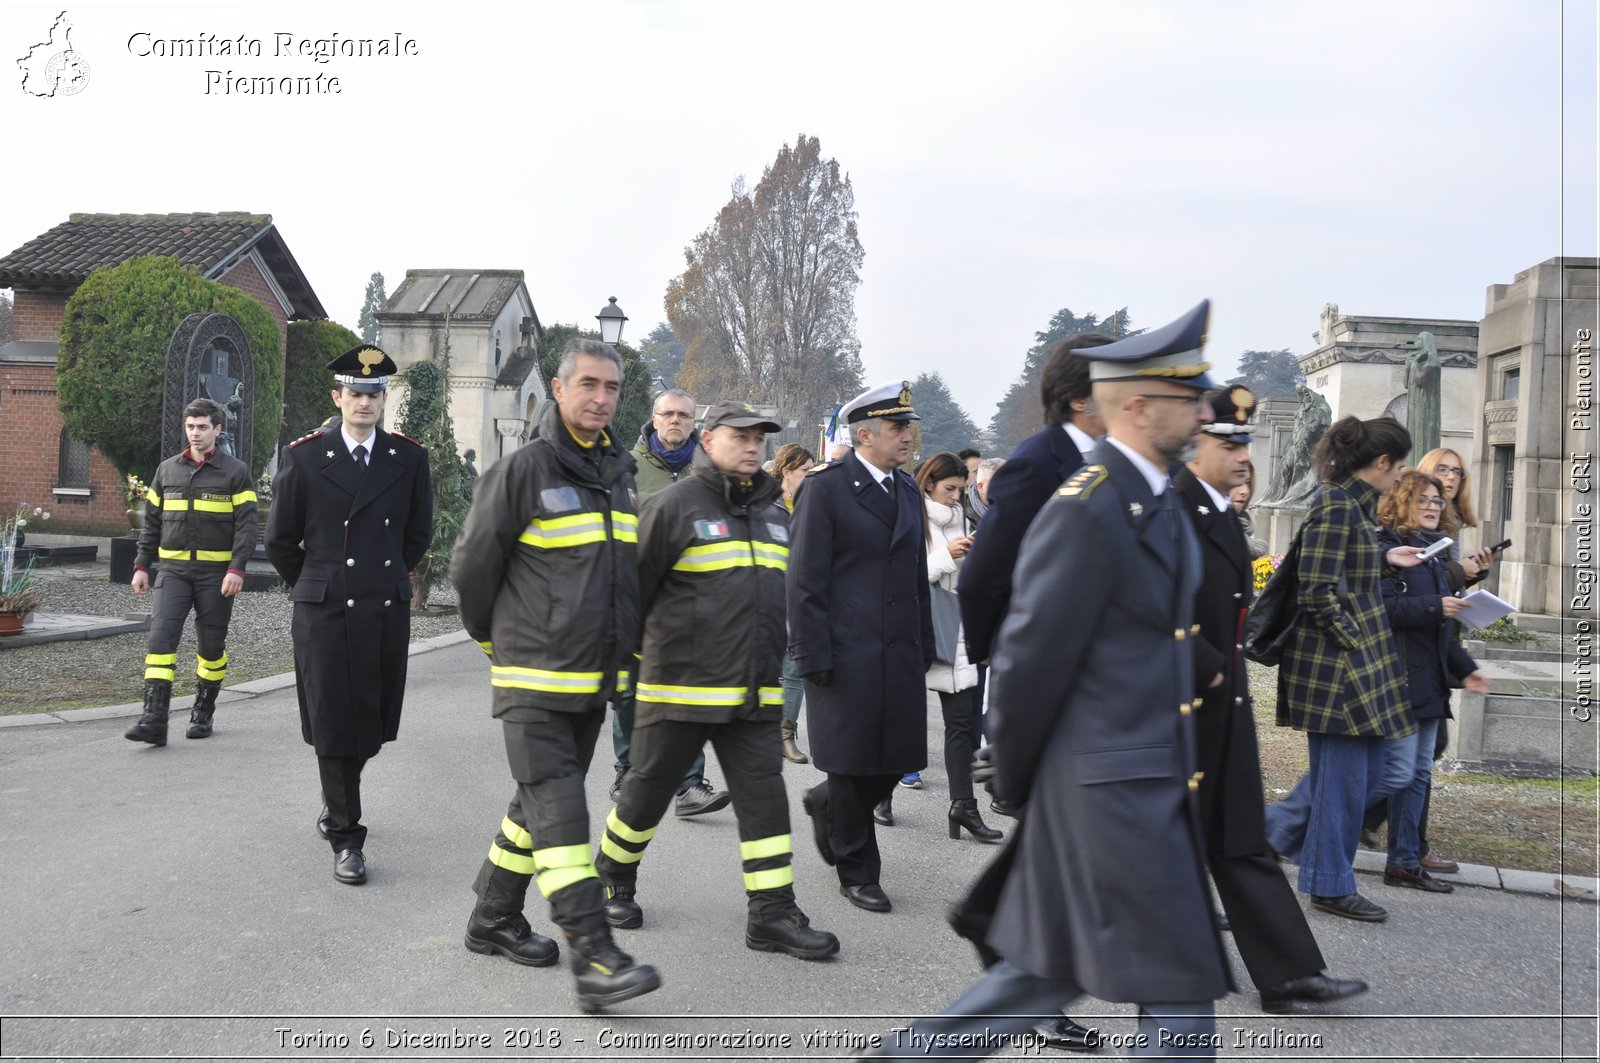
(891, 401)
(1171, 352)
(1231, 410)
(365, 368)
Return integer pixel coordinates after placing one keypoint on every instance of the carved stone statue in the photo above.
(1422, 394)
(469, 472)
(1295, 480)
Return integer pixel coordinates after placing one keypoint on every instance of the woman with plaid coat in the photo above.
(1342, 680)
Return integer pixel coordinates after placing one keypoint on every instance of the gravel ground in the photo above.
(109, 671)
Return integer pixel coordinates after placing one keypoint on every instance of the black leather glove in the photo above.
(822, 678)
(983, 767)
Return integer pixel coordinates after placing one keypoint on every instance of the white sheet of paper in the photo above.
(1483, 609)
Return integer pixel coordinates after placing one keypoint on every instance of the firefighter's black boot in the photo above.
(605, 974)
(152, 726)
(205, 704)
(788, 931)
(622, 909)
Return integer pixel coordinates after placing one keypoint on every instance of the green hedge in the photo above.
(113, 358)
(306, 402)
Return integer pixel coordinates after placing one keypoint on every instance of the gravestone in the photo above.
(209, 357)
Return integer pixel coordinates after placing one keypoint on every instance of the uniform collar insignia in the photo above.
(330, 453)
(1135, 509)
(391, 452)
(1205, 511)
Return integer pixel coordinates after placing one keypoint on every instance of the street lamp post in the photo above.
(611, 320)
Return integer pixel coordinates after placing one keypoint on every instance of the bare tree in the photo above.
(766, 305)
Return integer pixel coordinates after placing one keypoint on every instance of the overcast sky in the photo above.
(1008, 159)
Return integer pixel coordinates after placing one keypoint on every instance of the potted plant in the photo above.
(18, 595)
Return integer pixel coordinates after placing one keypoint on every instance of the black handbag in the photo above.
(1275, 612)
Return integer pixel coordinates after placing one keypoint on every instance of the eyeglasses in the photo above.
(1449, 470)
(1192, 400)
(673, 415)
(1430, 503)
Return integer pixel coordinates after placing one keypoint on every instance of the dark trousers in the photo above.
(977, 706)
(341, 792)
(958, 710)
(1006, 1002)
(751, 755)
(847, 801)
(176, 591)
(622, 742)
(544, 836)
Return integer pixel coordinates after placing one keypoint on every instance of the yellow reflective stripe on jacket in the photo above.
(771, 695)
(194, 555)
(487, 647)
(577, 529)
(206, 505)
(776, 878)
(541, 679)
(708, 696)
(771, 555)
(761, 848)
(151, 497)
(713, 557)
(244, 496)
(622, 682)
(515, 834)
(624, 526)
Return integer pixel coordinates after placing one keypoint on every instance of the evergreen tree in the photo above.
(1021, 413)
(635, 399)
(307, 381)
(1270, 373)
(944, 425)
(427, 420)
(6, 308)
(371, 303)
(663, 351)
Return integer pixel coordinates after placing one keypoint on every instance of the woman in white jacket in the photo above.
(941, 479)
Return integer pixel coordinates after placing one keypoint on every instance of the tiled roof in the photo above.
(468, 293)
(63, 258)
(516, 368)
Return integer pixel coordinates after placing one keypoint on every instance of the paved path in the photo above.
(176, 902)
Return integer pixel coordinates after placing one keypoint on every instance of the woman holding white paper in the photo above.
(1421, 608)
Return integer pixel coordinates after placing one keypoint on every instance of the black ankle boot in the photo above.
(152, 726)
(965, 814)
(605, 974)
(508, 933)
(622, 911)
(789, 932)
(205, 705)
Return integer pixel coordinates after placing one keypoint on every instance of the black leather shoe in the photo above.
(790, 932)
(1003, 808)
(616, 784)
(1065, 1034)
(1351, 906)
(1415, 878)
(489, 932)
(350, 867)
(819, 827)
(323, 823)
(700, 799)
(869, 896)
(883, 813)
(622, 911)
(1312, 989)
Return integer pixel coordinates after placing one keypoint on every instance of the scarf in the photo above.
(676, 460)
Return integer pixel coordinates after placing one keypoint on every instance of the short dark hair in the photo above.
(206, 408)
(1066, 376)
(1351, 444)
(968, 452)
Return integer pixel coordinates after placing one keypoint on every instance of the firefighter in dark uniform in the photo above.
(546, 574)
(200, 525)
(1093, 734)
(1268, 925)
(352, 515)
(713, 549)
(861, 632)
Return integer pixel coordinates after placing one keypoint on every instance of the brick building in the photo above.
(39, 462)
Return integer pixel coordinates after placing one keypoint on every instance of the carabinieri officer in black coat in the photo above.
(861, 631)
(352, 515)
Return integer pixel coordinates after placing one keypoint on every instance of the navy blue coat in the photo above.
(1020, 488)
(858, 605)
(1435, 661)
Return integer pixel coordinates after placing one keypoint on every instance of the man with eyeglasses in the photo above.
(665, 448)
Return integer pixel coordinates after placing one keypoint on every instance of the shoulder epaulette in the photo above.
(822, 467)
(308, 437)
(1083, 482)
(408, 439)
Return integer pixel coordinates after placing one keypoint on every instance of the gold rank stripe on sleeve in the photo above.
(714, 557)
(579, 529)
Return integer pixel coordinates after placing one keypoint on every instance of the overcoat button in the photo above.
(350, 603)
(1180, 634)
(1194, 780)
(385, 522)
(1194, 630)
(386, 564)
(387, 602)
(349, 562)
(1237, 595)
(347, 524)
(1238, 701)
(1184, 709)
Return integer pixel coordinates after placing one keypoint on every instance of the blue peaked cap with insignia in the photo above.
(1171, 353)
(365, 368)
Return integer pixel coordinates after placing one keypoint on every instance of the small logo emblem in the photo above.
(53, 67)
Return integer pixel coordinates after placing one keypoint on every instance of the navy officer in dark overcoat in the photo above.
(1092, 720)
(352, 515)
(861, 631)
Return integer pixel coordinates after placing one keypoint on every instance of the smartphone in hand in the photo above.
(1437, 548)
